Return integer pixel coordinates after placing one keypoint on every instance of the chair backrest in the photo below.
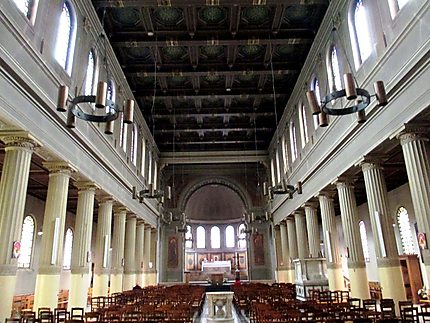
(77, 313)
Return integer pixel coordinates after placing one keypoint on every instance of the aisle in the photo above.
(203, 318)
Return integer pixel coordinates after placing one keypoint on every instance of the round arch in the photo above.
(193, 187)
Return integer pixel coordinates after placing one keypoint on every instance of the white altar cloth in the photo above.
(216, 267)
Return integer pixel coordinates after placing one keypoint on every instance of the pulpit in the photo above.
(215, 270)
(220, 307)
(310, 274)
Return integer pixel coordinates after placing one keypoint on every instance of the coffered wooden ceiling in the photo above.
(208, 74)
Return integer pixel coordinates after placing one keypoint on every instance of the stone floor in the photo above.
(238, 317)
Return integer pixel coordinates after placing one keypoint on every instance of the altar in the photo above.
(215, 270)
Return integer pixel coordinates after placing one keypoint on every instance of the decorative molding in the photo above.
(59, 167)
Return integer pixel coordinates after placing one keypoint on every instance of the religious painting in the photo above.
(215, 257)
(190, 262)
(172, 252)
(200, 258)
(242, 260)
(257, 239)
(230, 256)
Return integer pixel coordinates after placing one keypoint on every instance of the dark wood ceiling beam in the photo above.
(194, 56)
(229, 79)
(277, 19)
(147, 21)
(213, 115)
(196, 84)
(262, 81)
(230, 129)
(184, 3)
(190, 20)
(150, 42)
(258, 69)
(282, 67)
(210, 93)
(202, 142)
(234, 19)
(162, 80)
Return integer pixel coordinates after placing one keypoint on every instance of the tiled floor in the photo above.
(238, 318)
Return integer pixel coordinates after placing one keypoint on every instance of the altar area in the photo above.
(216, 271)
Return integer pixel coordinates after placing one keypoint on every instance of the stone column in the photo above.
(302, 239)
(81, 253)
(390, 273)
(331, 242)
(139, 255)
(280, 271)
(292, 243)
(414, 145)
(147, 256)
(103, 239)
(129, 280)
(13, 193)
(54, 221)
(356, 263)
(312, 229)
(286, 252)
(118, 239)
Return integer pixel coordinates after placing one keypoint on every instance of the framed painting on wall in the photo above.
(257, 239)
(172, 252)
(200, 258)
(242, 260)
(231, 256)
(215, 257)
(190, 262)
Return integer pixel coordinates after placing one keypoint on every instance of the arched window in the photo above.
(395, 6)
(303, 125)
(27, 237)
(201, 237)
(155, 181)
(143, 158)
(293, 141)
(278, 166)
(215, 238)
(405, 231)
(316, 88)
(133, 150)
(90, 77)
(28, 8)
(359, 33)
(111, 95)
(229, 237)
(335, 78)
(242, 236)
(364, 244)
(188, 237)
(68, 243)
(272, 172)
(65, 45)
(150, 167)
(284, 153)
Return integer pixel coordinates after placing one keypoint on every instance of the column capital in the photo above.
(140, 222)
(329, 194)
(119, 209)
(344, 181)
(298, 212)
(283, 223)
(104, 198)
(86, 185)
(412, 134)
(59, 167)
(371, 164)
(21, 139)
(131, 216)
(310, 204)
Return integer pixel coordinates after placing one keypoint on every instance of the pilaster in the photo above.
(129, 279)
(139, 254)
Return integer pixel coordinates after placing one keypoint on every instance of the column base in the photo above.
(46, 291)
(100, 285)
(150, 278)
(128, 281)
(359, 283)
(78, 293)
(392, 284)
(7, 290)
(139, 279)
(335, 278)
(115, 283)
(283, 276)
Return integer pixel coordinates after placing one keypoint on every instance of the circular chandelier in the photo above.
(105, 111)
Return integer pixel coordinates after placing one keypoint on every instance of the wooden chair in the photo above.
(77, 313)
(408, 313)
(388, 308)
(61, 315)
